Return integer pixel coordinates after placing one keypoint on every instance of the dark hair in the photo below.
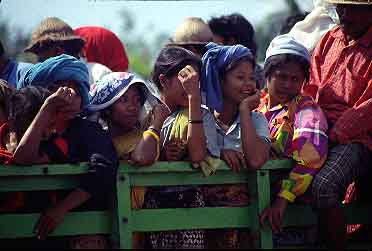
(276, 61)
(6, 92)
(69, 47)
(291, 21)
(24, 105)
(234, 26)
(171, 60)
(2, 51)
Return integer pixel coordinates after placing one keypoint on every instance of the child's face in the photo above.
(286, 82)
(239, 83)
(125, 111)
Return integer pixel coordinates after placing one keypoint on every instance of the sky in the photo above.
(151, 17)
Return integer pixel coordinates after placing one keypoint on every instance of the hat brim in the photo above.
(134, 81)
(360, 2)
(35, 46)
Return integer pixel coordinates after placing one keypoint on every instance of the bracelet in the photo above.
(154, 130)
(196, 121)
(152, 134)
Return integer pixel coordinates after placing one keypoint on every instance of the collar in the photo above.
(234, 125)
(365, 40)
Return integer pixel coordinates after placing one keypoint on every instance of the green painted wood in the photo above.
(278, 164)
(193, 218)
(36, 170)
(196, 178)
(124, 220)
(75, 223)
(35, 183)
(263, 193)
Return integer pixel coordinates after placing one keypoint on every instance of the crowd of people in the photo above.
(310, 101)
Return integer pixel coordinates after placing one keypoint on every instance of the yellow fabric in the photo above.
(124, 145)
(179, 131)
(287, 195)
(180, 125)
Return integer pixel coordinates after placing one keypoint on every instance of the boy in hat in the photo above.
(341, 77)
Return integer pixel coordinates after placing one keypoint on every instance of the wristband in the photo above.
(152, 134)
(154, 130)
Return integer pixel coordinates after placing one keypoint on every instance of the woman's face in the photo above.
(126, 110)
(239, 83)
(286, 82)
(173, 92)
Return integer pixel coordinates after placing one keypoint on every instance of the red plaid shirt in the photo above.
(341, 83)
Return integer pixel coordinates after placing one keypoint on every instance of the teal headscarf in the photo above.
(63, 67)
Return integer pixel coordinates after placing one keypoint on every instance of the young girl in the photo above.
(188, 133)
(297, 124)
(228, 80)
(58, 135)
(119, 98)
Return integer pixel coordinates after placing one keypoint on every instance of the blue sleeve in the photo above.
(261, 125)
(210, 132)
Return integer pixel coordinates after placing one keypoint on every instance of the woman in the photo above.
(59, 135)
(228, 80)
(188, 133)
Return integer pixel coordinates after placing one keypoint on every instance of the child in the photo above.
(119, 98)
(188, 134)
(297, 125)
(58, 135)
(228, 80)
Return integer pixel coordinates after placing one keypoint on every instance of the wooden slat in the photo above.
(75, 223)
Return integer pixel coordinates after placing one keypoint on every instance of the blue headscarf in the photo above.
(63, 67)
(214, 61)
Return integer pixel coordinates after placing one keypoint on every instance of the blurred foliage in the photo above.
(270, 27)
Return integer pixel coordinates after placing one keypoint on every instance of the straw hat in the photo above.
(53, 30)
(192, 31)
(368, 2)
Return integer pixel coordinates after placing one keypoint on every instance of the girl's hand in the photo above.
(250, 103)
(234, 159)
(48, 222)
(174, 150)
(189, 79)
(160, 113)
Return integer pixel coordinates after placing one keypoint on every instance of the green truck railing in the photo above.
(122, 221)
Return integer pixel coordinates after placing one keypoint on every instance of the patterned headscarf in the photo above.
(63, 67)
(111, 87)
(214, 62)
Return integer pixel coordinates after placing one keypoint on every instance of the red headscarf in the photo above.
(104, 47)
